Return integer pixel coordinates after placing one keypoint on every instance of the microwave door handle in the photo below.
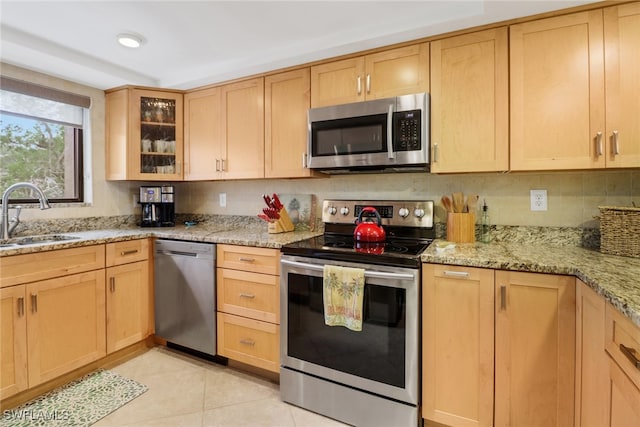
(391, 153)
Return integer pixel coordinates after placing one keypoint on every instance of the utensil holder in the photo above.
(461, 227)
(281, 225)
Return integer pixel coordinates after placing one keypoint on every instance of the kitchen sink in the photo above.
(36, 240)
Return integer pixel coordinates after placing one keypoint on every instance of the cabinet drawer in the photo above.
(249, 341)
(49, 264)
(252, 295)
(127, 251)
(248, 258)
(622, 342)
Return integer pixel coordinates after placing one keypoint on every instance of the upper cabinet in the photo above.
(202, 134)
(287, 99)
(574, 104)
(470, 102)
(622, 83)
(224, 132)
(394, 72)
(143, 135)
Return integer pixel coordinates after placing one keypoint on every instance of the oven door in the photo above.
(382, 358)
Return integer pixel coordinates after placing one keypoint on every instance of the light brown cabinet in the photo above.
(13, 341)
(242, 112)
(248, 304)
(457, 345)
(394, 72)
(535, 349)
(202, 134)
(128, 293)
(144, 135)
(65, 324)
(287, 99)
(470, 102)
(592, 365)
(574, 104)
(524, 377)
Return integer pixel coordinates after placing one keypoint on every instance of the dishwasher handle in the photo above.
(180, 253)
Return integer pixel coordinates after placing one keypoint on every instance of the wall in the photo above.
(573, 197)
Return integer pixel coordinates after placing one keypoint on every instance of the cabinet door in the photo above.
(243, 129)
(338, 82)
(470, 102)
(592, 365)
(127, 304)
(66, 324)
(557, 92)
(622, 73)
(457, 346)
(13, 340)
(625, 399)
(287, 100)
(155, 135)
(535, 349)
(401, 71)
(202, 134)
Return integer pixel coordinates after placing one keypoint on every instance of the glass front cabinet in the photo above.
(144, 135)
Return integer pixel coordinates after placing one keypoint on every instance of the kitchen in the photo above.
(573, 196)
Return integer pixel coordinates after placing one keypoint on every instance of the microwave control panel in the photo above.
(407, 130)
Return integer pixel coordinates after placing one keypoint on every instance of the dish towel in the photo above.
(343, 290)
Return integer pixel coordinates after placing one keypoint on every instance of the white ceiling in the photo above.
(194, 43)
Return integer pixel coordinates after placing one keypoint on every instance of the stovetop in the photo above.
(408, 226)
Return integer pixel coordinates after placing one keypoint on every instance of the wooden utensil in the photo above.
(446, 202)
(472, 203)
(458, 202)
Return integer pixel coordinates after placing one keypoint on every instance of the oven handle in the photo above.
(367, 273)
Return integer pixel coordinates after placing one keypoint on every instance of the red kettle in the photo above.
(368, 231)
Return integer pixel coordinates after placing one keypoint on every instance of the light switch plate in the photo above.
(538, 200)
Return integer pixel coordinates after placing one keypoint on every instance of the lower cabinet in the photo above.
(128, 293)
(65, 324)
(13, 335)
(526, 377)
(248, 304)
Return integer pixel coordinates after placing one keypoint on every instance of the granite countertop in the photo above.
(209, 233)
(615, 278)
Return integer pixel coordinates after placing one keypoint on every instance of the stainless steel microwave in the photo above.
(381, 135)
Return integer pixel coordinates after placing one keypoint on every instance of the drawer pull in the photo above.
(125, 253)
(243, 259)
(461, 274)
(247, 342)
(631, 355)
(249, 296)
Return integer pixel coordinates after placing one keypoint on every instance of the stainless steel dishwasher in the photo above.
(185, 294)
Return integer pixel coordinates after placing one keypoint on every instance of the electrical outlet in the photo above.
(538, 200)
(136, 200)
(223, 200)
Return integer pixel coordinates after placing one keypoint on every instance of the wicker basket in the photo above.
(620, 231)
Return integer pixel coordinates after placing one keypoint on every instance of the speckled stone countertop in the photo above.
(616, 278)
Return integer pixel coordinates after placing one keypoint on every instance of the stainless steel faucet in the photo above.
(44, 204)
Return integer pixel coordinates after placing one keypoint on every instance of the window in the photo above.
(41, 140)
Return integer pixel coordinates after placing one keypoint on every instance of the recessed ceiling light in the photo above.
(130, 40)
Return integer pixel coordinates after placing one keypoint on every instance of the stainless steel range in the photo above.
(369, 377)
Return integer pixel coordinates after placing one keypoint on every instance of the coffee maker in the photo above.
(158, 206)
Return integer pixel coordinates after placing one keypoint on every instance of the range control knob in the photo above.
(403, 212)
(344, 211)
(332, 210)
(418, 212)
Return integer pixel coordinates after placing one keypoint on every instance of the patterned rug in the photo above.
(78, 403)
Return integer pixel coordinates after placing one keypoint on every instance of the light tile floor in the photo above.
(189, 391)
